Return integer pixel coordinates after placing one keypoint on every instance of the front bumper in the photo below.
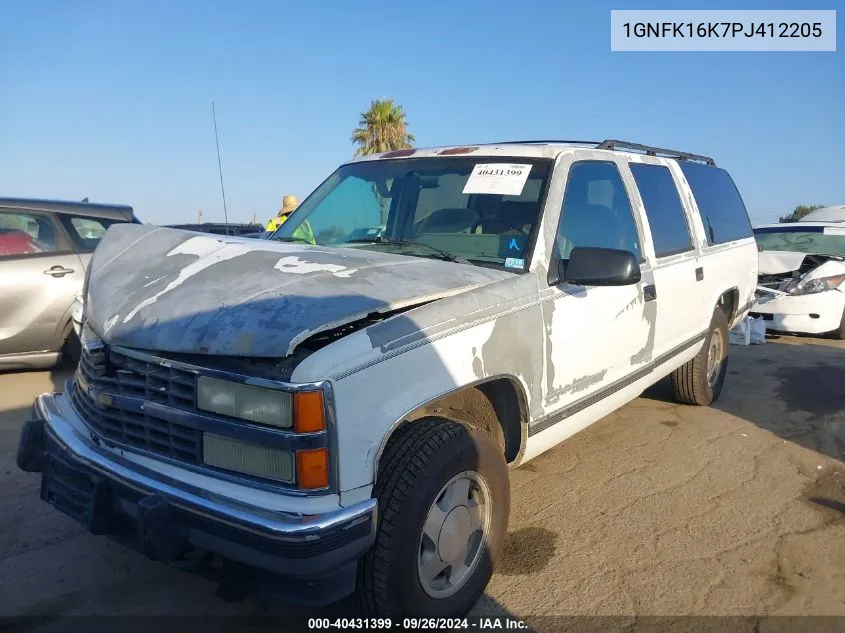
(805, 314)
(311, 558)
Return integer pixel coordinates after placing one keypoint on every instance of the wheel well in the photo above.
(62, 334)
(728, 302)
(496, 406)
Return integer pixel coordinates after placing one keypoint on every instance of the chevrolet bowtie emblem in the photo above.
(104, 400)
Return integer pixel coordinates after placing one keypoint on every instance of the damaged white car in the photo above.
(335, 409)
(802, 277)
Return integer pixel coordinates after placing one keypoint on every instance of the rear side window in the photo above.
(86, 232)
(666, 216)
(722, 210)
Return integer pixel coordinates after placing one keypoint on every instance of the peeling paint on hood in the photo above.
(175, 291)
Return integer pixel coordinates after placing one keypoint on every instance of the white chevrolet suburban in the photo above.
(335, 410)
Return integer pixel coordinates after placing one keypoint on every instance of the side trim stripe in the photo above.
(579, 405)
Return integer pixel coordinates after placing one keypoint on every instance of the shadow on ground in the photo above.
(807, 387)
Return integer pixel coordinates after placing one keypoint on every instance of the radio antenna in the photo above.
(220, 166)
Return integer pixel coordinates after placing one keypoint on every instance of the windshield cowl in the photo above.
(400, 242)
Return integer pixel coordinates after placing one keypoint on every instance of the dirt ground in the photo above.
(657, 509)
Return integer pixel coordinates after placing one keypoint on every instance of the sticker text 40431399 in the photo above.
(500, 171)
(498, 178)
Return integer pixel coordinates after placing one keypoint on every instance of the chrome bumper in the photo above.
(164, 518)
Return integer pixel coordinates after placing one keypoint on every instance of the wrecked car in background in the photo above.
(802, 277)
(45, 247)
(341, 417)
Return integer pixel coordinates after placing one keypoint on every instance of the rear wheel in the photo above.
(700, 380)
(444, 499)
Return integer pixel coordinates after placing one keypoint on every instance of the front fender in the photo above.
(372, 400)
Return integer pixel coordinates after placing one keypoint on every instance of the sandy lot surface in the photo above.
(657, 509)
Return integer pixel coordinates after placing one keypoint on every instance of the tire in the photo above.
(690, 381)
(421, 458)
(72, 348)
(840, 333)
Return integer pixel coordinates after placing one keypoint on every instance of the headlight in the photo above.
(254, 404)
(302, 411)
(812, 286)
(244, 457)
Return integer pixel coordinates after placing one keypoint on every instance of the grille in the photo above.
(107, 370)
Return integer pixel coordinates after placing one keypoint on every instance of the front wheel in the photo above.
(700, 380)
(444, 499)
(840, 333)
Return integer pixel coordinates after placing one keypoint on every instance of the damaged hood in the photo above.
(779, 262)
(176, 291)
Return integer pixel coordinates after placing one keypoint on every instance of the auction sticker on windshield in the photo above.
(501, 178)
(834, 230)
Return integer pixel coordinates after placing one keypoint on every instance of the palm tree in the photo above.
(383, 128)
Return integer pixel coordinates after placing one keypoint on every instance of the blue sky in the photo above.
(112, 99)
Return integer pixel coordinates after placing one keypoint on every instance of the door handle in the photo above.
(58, 271)
(650, 293)
(699, 274)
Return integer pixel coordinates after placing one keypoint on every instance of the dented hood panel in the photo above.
(177, 291)
(777, 262)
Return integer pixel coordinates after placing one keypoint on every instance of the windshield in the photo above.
(483, 210)
(817, 240)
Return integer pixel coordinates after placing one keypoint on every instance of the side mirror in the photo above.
(593, 266)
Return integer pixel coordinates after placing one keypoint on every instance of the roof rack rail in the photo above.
(541, 142)
(654, 151)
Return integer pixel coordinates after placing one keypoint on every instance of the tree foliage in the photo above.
(799, 212)
(382, 128)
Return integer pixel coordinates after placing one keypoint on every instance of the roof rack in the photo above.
(545, 142)
(654, 151)
(612, 144)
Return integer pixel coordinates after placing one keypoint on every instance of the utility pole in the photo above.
(199, 216)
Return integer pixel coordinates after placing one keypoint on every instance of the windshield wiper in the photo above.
(396, 240)
(290, 238)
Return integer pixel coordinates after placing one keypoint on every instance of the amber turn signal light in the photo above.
(308, 412)
(312, 469)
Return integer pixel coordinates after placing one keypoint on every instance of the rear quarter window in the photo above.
(86, 232)
(723, 212)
